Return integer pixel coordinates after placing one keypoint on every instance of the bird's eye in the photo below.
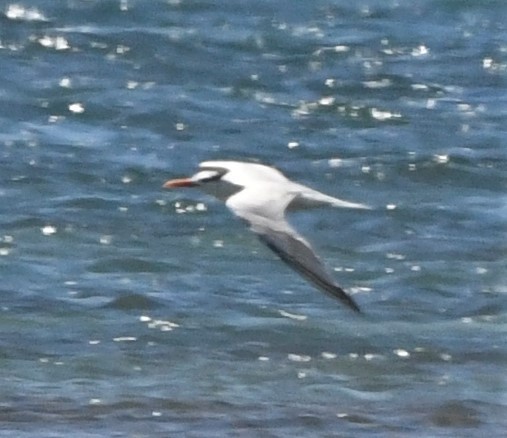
(207, 176)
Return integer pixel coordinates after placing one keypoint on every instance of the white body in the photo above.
(261, 195)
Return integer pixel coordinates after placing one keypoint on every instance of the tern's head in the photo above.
(201, 178)
(238, 173)
(213, 177)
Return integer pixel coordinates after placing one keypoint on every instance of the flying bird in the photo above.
(261, 195)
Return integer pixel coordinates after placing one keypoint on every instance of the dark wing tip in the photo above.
(345, 298)
(323, 283)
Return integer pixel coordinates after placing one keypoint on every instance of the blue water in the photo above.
(126, 310)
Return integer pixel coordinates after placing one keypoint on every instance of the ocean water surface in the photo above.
(126, 310)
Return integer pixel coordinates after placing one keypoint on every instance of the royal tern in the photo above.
(261, 195)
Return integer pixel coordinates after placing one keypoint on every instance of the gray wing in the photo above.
(267, 220)
(298, 254)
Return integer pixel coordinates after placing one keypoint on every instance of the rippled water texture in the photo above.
(126, 310)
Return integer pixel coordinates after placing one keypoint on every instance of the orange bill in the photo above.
(181, 182)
